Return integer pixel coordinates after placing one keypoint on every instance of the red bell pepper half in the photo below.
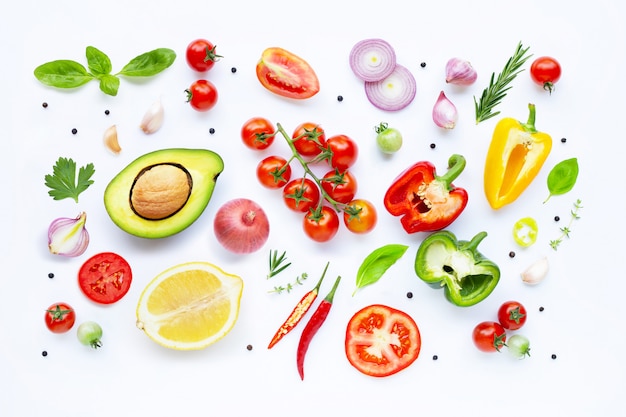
(427, 202)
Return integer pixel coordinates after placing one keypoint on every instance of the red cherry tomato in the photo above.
(512, 315)
(202, 95)
(312, 142)
(360, 216)
(381, 341)
(273, 172)
(286, 74)
(321, 225)
(258, 133)
(545, 71)
(301, 194)
(344, 152)
(341, 187)
(105, 277)
(60, 318)
(201, 55)
(489, 336)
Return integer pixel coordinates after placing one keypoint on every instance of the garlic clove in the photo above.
(110, 140)
(444, 112)
(460, 72)
(153, 119)
(68, 237)
(536, 272)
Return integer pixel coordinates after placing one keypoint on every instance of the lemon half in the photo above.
(189, 306)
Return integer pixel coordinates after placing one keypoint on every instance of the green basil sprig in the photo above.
(377, 263)
(562, 177)
(71, 74)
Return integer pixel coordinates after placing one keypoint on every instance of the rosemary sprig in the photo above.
(290, 286)
(277, 264)
(566, 230)
(493, 95)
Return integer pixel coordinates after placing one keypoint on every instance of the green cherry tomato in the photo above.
(518, 346)
(525, 231)
(388, 139)
(89, 333)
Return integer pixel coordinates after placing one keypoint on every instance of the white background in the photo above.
(582, 322)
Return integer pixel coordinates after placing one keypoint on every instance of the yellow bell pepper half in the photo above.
(515, 157)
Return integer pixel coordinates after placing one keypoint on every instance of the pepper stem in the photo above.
(456, 165)
(319, 283)
(529, 126)
(472, 245)
(331, 294)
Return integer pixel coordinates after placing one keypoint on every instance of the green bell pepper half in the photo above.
(467, 275)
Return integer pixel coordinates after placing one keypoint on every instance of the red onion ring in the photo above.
(372, 59)
(393, 93)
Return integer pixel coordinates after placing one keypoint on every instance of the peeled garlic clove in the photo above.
(68, 237)
(153, 119)
(536, 272)
(460, 72)
(444, 112)
(110, 140)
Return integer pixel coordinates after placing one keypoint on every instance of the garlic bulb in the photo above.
(153, 119)
(460, 72)
(110, 140)
(444, 112)
(536, 272)
(68, 237)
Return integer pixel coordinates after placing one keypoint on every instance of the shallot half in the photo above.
(68, 237)
(460, 72)
(241, 226)
(444, 112)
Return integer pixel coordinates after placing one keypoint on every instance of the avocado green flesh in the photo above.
(203, 165)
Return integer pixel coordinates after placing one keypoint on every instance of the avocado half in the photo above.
(163, 192)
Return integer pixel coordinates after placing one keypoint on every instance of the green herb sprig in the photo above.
(63, 182)
(566, 230)
(71, 74)
(277, 263)
(279, 289)
(493, 95)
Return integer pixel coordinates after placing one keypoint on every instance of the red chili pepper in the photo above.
(427, 202)
(298, 312)
(314, 324)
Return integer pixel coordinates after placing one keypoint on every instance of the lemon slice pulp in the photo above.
(189, 306)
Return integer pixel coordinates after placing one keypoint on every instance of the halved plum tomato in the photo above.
(381, 341)
(105, 277)
(286, 74)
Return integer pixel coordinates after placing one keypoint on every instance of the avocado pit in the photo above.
(159, 191)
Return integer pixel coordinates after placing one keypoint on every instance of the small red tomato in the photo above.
(201, 55)
(309, 139)
(60, 318)
(340, 186)
(258, 133)
(545, 71)
(321, 225)
(273, 172)
(489, 336)
(360, 216)
(301, 194)
(286, 74)
(512, 315)
(105, 277)
(202, 95)
(344, 152)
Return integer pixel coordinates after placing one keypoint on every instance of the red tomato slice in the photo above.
(381, 340)
(105, 278)
(286, 74)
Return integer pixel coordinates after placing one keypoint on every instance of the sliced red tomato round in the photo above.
(381, 341)
(286, 74)
(105, 277)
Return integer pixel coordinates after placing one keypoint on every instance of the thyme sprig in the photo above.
(566, 230)
(291, 285)
(493, 95)
(277, 263)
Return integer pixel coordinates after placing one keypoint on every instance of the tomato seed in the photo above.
(211, 131)
(249, 347)
(511, 254)
(74, 131)
(44, 105)
(340, 98)
(44, 353)
(50, 275)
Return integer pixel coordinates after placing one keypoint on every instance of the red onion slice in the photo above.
(393, 93)
(372, 59)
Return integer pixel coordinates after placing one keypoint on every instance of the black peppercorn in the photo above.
(409, 294)
(433, 146)
(44, 105)
(233, 70)
(211, 131)
(541, 308)
(74, 131)
(44, 353)
(107, 112)
(557, 218)
(249, 347)
(435, 357)
(340, 98)
(553, 356)
(50, 275)
(563, 140)
(423, 65)
(511, 254)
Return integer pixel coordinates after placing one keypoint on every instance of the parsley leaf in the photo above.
(63, 183)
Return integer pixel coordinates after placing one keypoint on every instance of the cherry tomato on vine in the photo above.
(321, 225)
(360, 216)
(344, 152)
(60, 317)
(489, 336)
(312, 143)
(545, 71)
(512, 315)
(202, 95)
(258, 133)
(340, 186)
(201, 55)
(301, 194)
(273, 172)
(105, 277)
(286, 74)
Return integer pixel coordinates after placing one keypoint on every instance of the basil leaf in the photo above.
(562, 177)
(377, 263)
(98, 62)
(150, 63)
(109, 84)
(62, 74)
